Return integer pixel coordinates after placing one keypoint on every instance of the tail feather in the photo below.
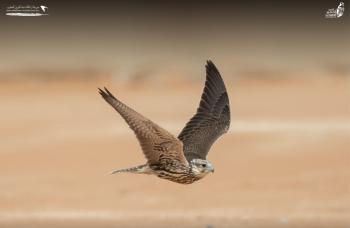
(137, 169)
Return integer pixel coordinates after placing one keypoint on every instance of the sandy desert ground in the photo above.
(284, 163)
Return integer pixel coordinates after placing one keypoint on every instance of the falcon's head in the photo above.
(201, 167)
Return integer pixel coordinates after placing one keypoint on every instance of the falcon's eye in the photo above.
(204, 165)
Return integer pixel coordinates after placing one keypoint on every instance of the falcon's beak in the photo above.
(211, 169)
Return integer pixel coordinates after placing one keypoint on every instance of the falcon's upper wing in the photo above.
(158, 145)
(211, 120)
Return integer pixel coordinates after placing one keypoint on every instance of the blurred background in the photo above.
(284, 163)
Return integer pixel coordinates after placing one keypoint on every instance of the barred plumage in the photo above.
(183, 159)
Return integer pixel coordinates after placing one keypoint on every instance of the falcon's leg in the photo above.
(138, 169)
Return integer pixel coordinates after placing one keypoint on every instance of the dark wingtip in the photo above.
(109, 93)
(211, 66)
(209, 62)
(212, 71)
(105, 93)
(100, 91)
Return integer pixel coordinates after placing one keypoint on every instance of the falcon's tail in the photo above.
(137, 169)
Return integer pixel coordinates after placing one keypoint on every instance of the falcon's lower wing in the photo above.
(157, 144)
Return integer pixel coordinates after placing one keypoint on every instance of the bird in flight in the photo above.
(182, 159)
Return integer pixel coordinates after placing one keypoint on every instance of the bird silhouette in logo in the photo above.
(183, 159)
(43, 8)
(340, 9)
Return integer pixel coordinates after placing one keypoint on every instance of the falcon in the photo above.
(182, 159)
